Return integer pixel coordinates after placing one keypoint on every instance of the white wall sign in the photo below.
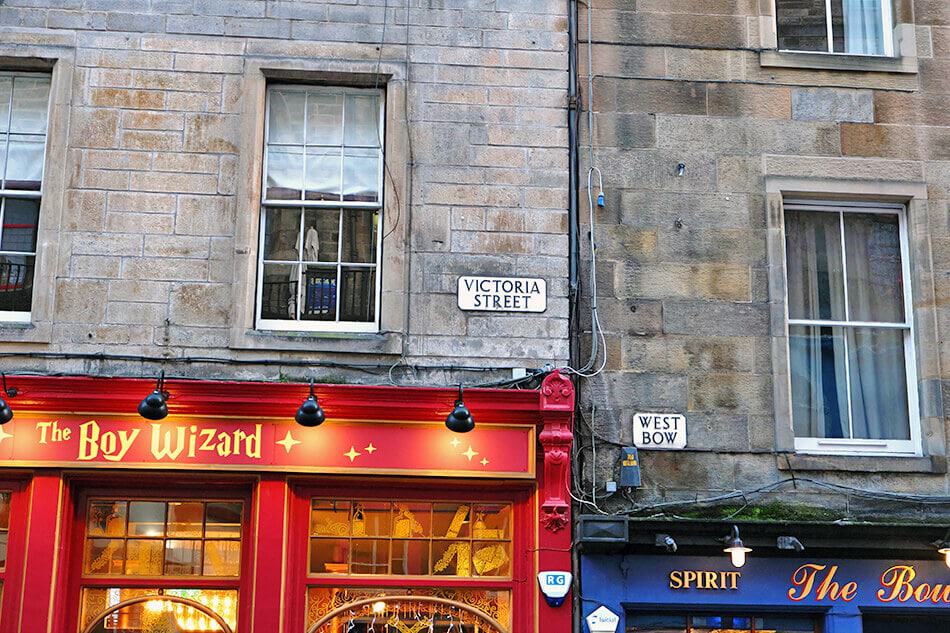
(659, 430)
(603, 620)
(502, 294)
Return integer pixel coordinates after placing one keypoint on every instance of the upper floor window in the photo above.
(851, 27)
(321, 205)
(24, 104)
(850, 329)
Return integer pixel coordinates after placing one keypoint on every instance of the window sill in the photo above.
(386, 343)
(13, 332)
(933, 464)
(833, 61)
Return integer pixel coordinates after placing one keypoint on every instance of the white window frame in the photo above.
(887, 18)
(853, 446)
(22, 316)
(289, 325)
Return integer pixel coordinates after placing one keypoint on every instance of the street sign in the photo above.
(502, 294)
(659, 430)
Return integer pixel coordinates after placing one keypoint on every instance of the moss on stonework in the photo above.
(776, 511)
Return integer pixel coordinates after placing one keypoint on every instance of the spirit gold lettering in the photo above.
(707, 580)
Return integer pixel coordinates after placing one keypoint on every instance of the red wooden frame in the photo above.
(50, 506)
(12, 575)
(154, 488)
(521, 581)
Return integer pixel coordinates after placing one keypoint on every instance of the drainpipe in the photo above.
(573, 104)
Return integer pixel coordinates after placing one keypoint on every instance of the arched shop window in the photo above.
(409, 565)
(157, 565)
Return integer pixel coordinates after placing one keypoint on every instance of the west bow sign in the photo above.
(33, 440)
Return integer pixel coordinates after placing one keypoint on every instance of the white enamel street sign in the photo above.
(659, 430)
(502, 294)
(603, 620)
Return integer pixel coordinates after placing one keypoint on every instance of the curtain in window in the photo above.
(863, 27)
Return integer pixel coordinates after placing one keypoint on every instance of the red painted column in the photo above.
(269, 555)
(554, 529)
(43, 552)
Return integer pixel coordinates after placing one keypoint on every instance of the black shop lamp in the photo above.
(310, 413)
(6, 413)
(460, 420)
(735, 547)
(153, 406)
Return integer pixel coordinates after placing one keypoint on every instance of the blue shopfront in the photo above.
(790, 594)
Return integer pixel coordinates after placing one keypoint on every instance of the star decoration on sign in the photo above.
(484, 461)
(470, 453)
(352, 454)
(4, 435)
(455, 442)
(370, 449)
(288, 442)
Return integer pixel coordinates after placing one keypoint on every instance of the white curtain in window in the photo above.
(863, 27)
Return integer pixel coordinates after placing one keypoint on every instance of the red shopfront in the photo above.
(228, 516)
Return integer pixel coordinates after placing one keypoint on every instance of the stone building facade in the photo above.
(712, 132)
(148, 232)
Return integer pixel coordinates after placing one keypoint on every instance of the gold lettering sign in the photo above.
(705, 580)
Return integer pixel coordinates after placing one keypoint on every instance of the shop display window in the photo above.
(161, 565)
(411, 538)
(5, 496)
(930, 623)
(720, 623)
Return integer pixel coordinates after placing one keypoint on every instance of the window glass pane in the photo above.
(147, 518)
(930, 623)
(325, 119)
(30, 105)
(491, 521)
(16, 282)
(412, 520)
(223, 520)
(329, 556)
(319, 293)
(185, 518)
(329, 518)
(875, 275)
(105, 556)
(371, 518)
(362, 120)
(279, 291)
(491, 559)
(650, 623)
(410, 557)
(370, 556)
(780, 624)
(182, 558)
(451, 558)
(721, 623)
(819, 392)
(450, 520)
(222, 558)
(361, 175)
(862, 27)
(286, 120)
(284, 173)
(323, 174)
(359, 236)
(358, 294)
(20, 219)
(4, 541)
(879, 408)
(4, 510)
(144, 557)
(321, 232)
(282, 234)
(24, 162)
(837, 24)
(6, 93)
(106, 518)
(814, 265)
(156, 615)
(802, 25)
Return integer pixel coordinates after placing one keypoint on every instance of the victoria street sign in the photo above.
(502, 294)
